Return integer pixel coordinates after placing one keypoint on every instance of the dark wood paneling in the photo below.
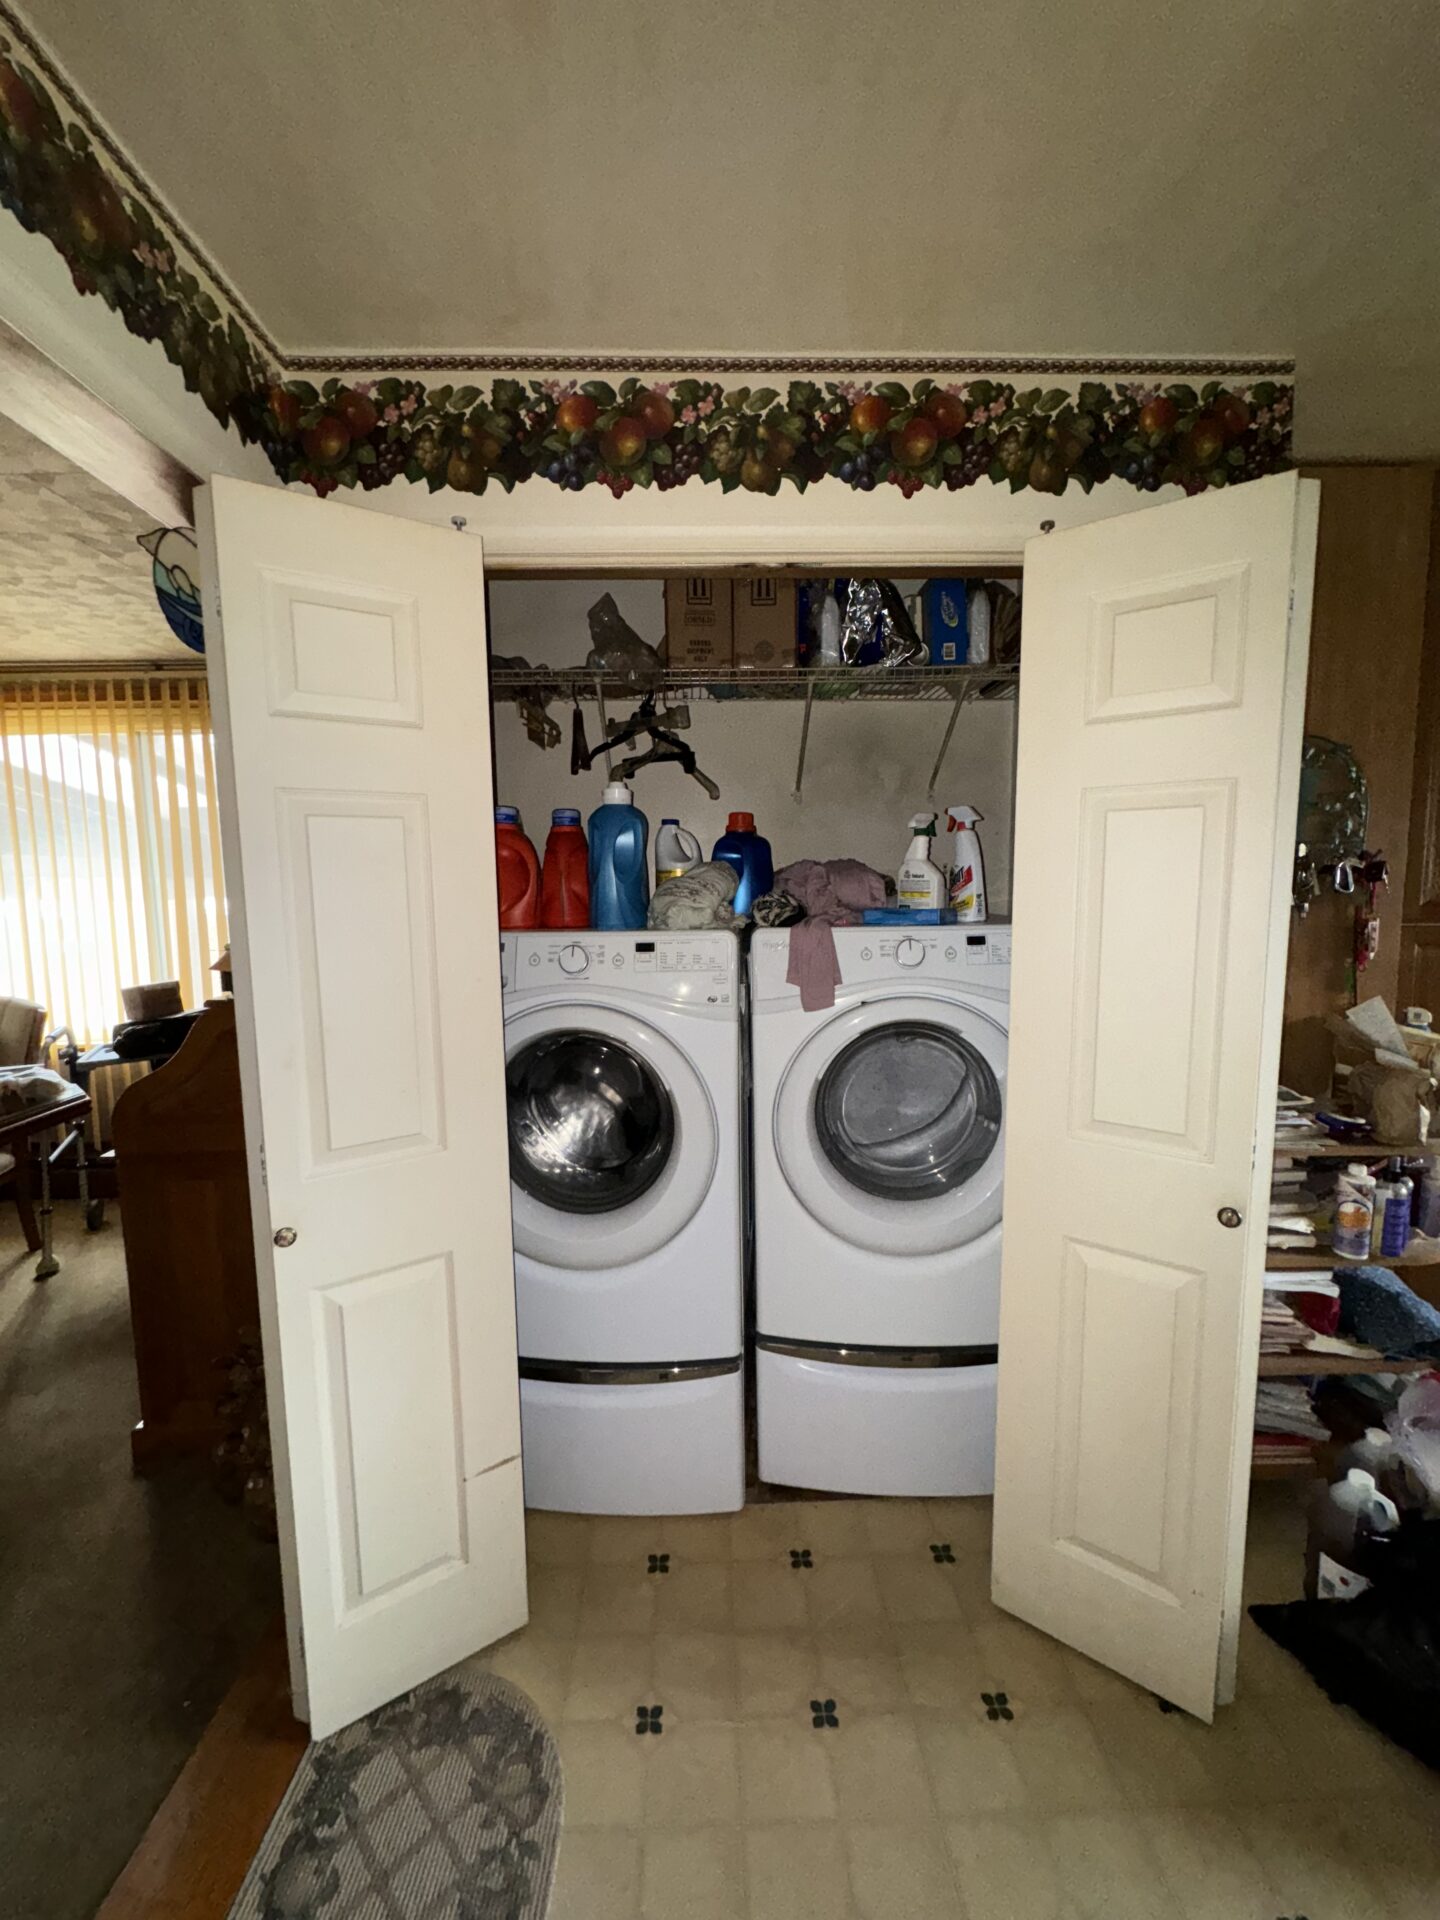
(1365, 654)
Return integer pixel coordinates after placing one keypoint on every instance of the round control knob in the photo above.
(909, 953)
(574, 958)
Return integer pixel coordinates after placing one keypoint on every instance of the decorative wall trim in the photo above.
(615, 420)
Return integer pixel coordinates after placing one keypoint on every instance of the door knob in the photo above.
(285, 1236)
(1227, 1217)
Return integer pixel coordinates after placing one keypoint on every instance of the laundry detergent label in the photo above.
(1334, 1582)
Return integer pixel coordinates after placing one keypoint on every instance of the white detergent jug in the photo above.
(676, 852)
(967, 863)
(920, 883)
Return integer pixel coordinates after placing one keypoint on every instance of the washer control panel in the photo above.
(685, 969)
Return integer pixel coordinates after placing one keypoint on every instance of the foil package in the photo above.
(875, 629)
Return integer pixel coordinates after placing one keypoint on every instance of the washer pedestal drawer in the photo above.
(643, 1446)
(842, 1428)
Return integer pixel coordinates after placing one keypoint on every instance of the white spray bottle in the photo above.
(920, 883)
(967, 863)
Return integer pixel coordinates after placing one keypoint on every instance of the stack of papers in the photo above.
(1295, 1117)
(1283, 1406)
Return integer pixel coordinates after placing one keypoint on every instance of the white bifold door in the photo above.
(1160, 724)
(348, 673)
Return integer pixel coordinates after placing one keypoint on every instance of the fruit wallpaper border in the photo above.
(950, 424)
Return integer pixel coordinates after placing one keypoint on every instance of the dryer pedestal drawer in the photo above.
(637, 1446)
(876, 1429)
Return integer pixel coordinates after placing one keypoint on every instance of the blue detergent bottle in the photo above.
(749, 853)
(619, 879)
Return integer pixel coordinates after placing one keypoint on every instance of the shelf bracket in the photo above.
(956, 704)
(804, 741)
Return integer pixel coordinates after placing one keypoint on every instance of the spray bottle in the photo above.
(967, 863)
(920, 883)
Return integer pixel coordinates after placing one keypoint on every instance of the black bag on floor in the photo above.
(1378, 1653)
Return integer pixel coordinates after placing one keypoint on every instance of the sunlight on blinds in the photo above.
(109, 846)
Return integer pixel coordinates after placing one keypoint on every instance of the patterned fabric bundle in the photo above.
(697, 899)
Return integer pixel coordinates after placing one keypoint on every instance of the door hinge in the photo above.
(264, 1173)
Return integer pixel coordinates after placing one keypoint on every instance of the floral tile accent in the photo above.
(659, 1563)
(647, 1720)
(944, 1553)
(823, 1714)
(800, 1557)
(997, 1706)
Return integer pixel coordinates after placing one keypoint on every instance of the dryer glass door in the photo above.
(591, 1127)
(908, 1111)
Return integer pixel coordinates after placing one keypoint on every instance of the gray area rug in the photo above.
(445, 1805)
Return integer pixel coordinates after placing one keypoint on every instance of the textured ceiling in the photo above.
(959, 176)
(73, 584)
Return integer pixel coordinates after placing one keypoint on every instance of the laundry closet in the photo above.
(859, 1162)
(1151, 785)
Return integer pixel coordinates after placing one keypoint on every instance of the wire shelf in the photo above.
(957, 684)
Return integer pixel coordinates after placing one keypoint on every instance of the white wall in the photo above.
(866, 768)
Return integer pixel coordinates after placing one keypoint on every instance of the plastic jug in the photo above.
(967, 863)
(749, 853)
(1345, 1523)
(619, 882)
(565, 872)
(517, 869)
(676, 852)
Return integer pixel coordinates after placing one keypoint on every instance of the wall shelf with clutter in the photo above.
(756, 635)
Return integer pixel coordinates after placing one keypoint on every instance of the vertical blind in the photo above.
(109, 845)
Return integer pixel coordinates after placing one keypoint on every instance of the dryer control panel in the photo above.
(919, 958)
(683, 969)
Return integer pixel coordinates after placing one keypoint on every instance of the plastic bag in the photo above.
(1378, 1653)
(1414, 1426)
(617, 651)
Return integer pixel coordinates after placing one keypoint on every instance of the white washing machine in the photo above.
(623, 1086)
(879, 1146)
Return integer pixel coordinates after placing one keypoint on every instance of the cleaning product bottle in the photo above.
(1393, 1198)
(967, 863)
(920, 883)
(619, 882)
(1354, 1219)
(517, 871)
(676, 851)
(565, 872)
(1347, 1521)
(1427, 1220)
(749, 853)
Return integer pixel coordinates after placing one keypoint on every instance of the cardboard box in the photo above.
(766, 634)
(699, 622)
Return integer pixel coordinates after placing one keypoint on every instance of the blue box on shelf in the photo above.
(947, 635)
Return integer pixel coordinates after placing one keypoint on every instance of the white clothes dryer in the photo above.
(623, 1091)
(879, 1147)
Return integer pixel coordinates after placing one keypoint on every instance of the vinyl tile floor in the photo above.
(813, 1709)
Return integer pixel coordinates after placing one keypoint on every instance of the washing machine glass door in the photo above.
(889, 1124)
(612, 1136)
(591, 1127)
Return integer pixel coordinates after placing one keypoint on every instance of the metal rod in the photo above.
(959, 702)
(804, 741)
(604, 724)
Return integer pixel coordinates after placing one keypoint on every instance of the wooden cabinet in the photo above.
(1377, 566)
(190, 1260)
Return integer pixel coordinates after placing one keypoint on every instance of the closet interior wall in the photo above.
(866, 768)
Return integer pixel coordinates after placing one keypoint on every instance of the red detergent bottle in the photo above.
(565, 874)
(517, 870)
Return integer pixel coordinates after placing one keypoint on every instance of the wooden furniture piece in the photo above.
(185, 1211)
(19, 1133)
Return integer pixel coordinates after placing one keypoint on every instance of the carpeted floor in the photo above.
(126, 1605)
